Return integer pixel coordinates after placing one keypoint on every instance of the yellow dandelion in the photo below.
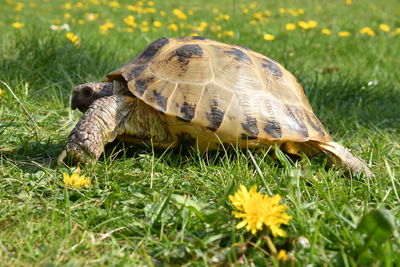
(67, 6)
(367, 31)
(396, 32)
(19, 7)
(257, 210)
(114, 4)
(179, 14)
(67, 15)
(290, 27)
(245, 11)
(282, 255)
(105, 27)
(267, 13)
(268, 37)
(384, 27)
(348, 2)
(73, 38)
(344, 34)
(140, 3)
(215, 10)
(130, 20)
(229, 33)
(300, 11)
(75, 179)
(302, 24)
(282, 10)
(157, 24)
(326, 31)
(79, 5)
(162, 13)
(253, 22)
(150, 3)
(2, 92)
(253, 5)
(173, 27)
(149, 10)
(91, 16)
(312, 24)
(18, 25)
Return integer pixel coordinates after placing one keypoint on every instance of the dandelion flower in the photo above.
(326, 31)
(2, 92)
(67, 15)
(349, 2)
(73, 38)
(157, 24)
(75, 179)
(179, 14)
(114, 4)
(268, 37)
(384, 27)
(290, 27)
(18, 25)
(396, 32)
(282, 255)
(344, 34)
(19, 7)
(304, 25)
(367, 31)
(229, 33)
(257, 210)
(312, 24)
(173, 27)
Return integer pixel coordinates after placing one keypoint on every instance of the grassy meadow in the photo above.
(149, 207)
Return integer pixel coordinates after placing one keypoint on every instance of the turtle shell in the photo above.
(220, 93)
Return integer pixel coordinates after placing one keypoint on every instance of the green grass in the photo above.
(133, 213)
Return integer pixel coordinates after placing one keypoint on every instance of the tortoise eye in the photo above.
(87, 91)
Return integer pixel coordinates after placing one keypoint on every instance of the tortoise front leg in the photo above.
(100, 124)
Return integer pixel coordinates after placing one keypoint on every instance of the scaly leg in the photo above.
(100, 124)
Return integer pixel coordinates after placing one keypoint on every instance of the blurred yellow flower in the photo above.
(229, 33)
(282, 10)
(157, 24)
(268, 37)
(367, 31)
(67, 6)
(396, 32)
(75, 179)
(18, 25)
(348, 2)
(114, 4)
(19, 6)
(79, 5)
(67, 15)
(290, 27)
(2, 92)
(73, 38)
(173, 27)
(257, 210)
(326, 31)
(312, 24)
(302, 24)
(91, 16)
(150, 3)
(105, 27)
(344, 34)
(130, 20)
(245, 11)
(179, 14)
(162, 13)
(215, 10)
(282, 255)
(267, 13)
(384, 27)
(149, 10)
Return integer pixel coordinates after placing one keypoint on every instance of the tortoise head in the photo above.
(83, 95)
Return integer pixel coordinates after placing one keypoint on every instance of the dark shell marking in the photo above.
(187, 51)
(274, 129)
(188, 110)
(200, 38)
(141, 85)
(185, 140)
(152, 49)
(313, 121)
(250, 126)
(272, 67)
(215, 117)
(239, 54)
(161, 101)
(246, 137)
(137, 70)
(298, 125)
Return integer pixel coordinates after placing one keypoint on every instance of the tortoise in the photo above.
(201, 93)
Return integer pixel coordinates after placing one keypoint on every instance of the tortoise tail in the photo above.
(341, 156)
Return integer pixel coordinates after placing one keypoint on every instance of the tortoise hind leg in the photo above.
(341, 156)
